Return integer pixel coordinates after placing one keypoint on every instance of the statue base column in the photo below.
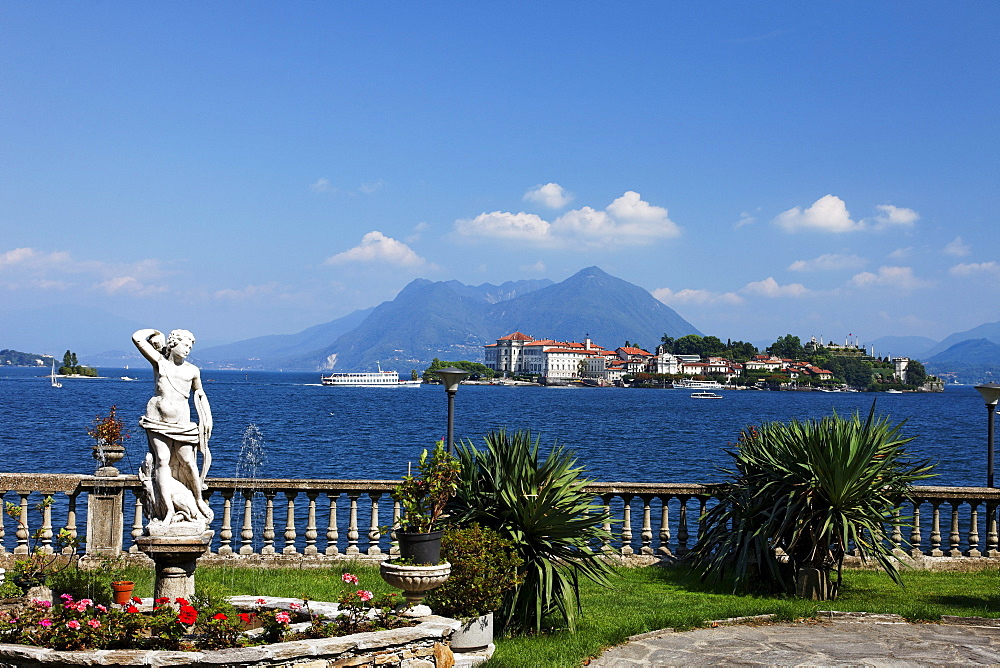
(176, 558)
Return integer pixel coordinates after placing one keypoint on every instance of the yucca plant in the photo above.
(541, 506)
(805, 493)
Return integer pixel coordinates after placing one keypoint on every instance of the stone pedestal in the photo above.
(176, 558)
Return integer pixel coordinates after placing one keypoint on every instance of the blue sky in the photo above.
(250, 168)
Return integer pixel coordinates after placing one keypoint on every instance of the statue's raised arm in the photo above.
(170, 477)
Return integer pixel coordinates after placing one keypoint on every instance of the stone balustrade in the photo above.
(315, 521)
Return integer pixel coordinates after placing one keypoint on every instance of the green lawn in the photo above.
(643, 599)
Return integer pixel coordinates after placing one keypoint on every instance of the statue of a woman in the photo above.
(169, 473)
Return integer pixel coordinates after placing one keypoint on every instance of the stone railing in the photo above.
(318, 520)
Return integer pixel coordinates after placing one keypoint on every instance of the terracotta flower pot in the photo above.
(122, 592)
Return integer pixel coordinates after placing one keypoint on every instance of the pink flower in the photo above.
(294, 606)
(94, 624)
(66, 597)
(365, 595)
(46, 623)
(41, 603)
(86, 602)
(101, 608)
(73, 624)
(261, 601)
(282, 617)
(349, 579)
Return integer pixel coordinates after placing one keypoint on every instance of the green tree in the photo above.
(916, 374)
(688, 345)
(712, 345)
(787, 346)
(475, 369)
(667, 344)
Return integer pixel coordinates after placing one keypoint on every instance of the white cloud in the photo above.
(957, 248)
(551, 195)
(376, 247)
(128, 285)
(827, 214)
(746, 218)
(771, 288)
(889, 277)
(976, 268)
(901, 253)
(894, 217)
(502, 225)
(322, 185)
(371, 186)
(629, 220)
(829, 262)
(700, 297)
(536, 268)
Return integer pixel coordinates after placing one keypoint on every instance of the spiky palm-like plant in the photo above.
(542, 507)
(813, 490)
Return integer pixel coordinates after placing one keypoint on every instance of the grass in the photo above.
(642, 599)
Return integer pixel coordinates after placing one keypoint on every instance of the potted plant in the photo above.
(484, 567)
(109, 434)
(423, 498)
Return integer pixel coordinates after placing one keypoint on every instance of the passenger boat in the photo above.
(705, 395)
(689, 384)
(368, 379)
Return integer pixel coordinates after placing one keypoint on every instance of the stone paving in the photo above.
(838, 640)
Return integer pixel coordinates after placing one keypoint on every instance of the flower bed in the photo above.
(423, 644)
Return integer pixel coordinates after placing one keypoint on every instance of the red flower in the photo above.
(136, 599)
(131, 608)
(245, 617)
(181, 601)
(187, 615)
(220, 616)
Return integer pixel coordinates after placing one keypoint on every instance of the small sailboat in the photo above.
(55, 382)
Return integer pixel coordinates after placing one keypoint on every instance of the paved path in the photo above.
(876, 640)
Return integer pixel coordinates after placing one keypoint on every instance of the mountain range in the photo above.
(452, 321)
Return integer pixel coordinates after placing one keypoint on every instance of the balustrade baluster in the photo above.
(397, 511)
(136, 520)
(991, 530)
(915, 538)
(627, 525)
(352, 529)
(332, 532)
(226, 533)
(373, 531)
(290, 524)
(702, 505)
(268, 547)
(606, 501)
(71, 519)
(45, 535)
(955, 537)
(647, 527)
(664, 549)
(974, 530)
(246, 535)
(936, 530)
(23, 524)
(682, 529)
(3, 503)
(896, 538)
(311, 531)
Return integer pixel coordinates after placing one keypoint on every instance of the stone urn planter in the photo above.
(474, 634)
(415, 581)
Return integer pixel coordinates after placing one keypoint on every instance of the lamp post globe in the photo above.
(452, 378)
(991, 395)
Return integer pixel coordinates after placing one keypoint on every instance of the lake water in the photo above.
(312, 431)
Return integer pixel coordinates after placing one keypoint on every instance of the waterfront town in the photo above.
(559, 362)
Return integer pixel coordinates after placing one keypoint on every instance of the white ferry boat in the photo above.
(368, 379)
(705, 395)
(689, 384)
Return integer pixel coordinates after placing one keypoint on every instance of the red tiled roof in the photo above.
(516, 336)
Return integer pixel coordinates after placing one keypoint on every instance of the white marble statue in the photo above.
(169, 474)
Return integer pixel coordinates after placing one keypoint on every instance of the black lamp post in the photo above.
(991, 394)
(451, 377)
